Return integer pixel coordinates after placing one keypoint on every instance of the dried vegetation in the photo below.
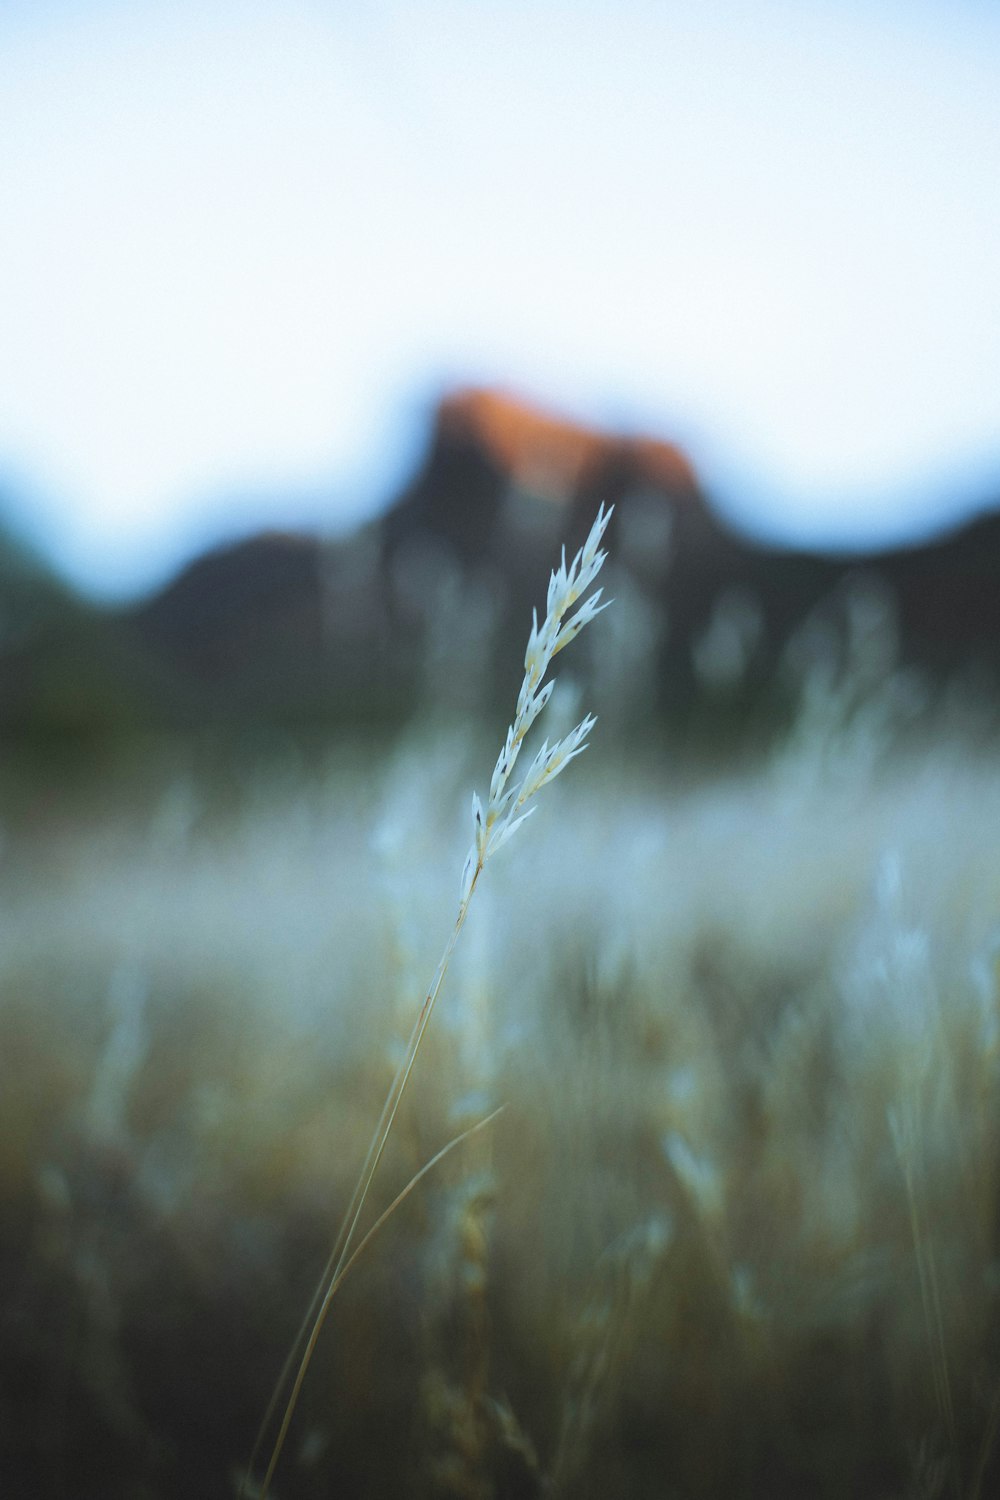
(736, 1231)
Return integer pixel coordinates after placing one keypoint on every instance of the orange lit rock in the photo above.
(552, 455)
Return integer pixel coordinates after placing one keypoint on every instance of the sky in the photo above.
(245, 246)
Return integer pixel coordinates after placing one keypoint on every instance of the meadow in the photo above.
(735, 1231)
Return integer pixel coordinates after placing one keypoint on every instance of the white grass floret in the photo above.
(505, 808)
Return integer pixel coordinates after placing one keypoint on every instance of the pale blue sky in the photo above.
(244, 244)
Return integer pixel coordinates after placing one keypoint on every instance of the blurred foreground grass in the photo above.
(736, 1232)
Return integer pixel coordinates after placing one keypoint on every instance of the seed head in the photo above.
(505, 808)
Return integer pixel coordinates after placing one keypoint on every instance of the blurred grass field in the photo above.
(735, 1233)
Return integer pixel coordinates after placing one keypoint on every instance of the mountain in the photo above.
(433, 602)
(295, 626)
(491, 452)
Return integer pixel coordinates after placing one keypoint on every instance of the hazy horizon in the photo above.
(330, 509)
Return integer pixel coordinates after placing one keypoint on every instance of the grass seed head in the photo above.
(505, 808)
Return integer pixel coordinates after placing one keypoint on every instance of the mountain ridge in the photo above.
(285, 626)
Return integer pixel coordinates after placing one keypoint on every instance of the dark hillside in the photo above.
(430, 603)
(293, 627)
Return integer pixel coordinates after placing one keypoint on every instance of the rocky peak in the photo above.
(549, 455)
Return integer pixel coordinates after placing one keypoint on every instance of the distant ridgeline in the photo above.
(428, 607)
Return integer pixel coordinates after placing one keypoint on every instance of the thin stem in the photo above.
(334, 1286)
(341, 1258)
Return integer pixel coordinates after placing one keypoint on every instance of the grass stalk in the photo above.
(506, 809)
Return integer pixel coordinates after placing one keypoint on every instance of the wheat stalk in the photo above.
(506, 809)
